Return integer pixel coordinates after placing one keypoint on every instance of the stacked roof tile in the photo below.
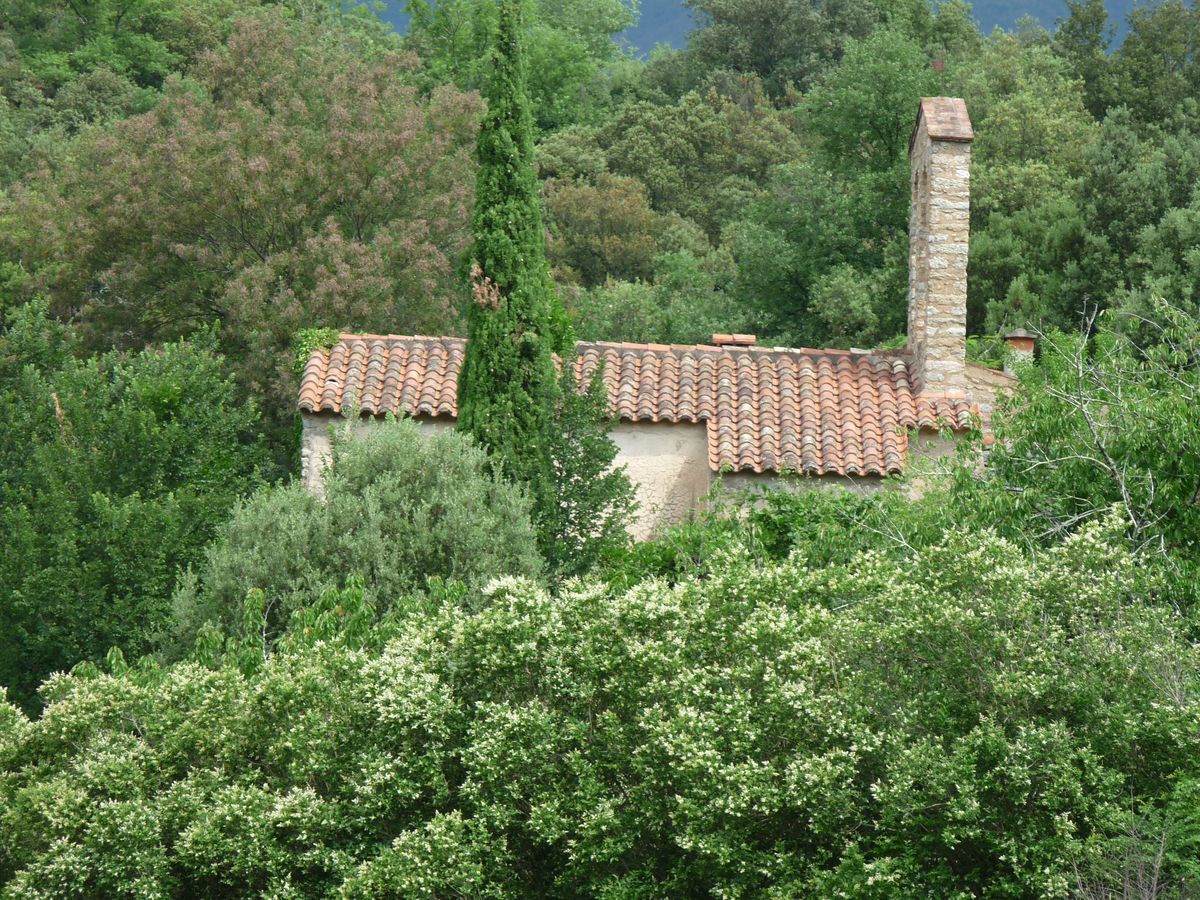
(819, 412)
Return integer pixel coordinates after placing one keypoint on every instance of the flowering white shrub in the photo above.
(971, 723)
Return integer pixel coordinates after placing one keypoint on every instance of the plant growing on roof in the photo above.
(309, 339)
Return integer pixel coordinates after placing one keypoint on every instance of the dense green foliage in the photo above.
(592, 502)
(967, 722)
(115, 471)
(290, 181)
(507, 391)
(400, 507)
(568, 43)
(751, 181)
(1105, 422)
(67, 66)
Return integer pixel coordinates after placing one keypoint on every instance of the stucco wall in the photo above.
(668, 465)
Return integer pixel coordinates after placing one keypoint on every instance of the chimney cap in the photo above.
(945, 118)
(1020, 341)
(734, 340)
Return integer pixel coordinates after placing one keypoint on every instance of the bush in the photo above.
(969, 722)
(401, 506)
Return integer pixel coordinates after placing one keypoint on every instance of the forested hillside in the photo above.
(452, 674)
(670, 21)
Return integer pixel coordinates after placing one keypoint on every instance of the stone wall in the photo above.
(741, 482)
(985, 386)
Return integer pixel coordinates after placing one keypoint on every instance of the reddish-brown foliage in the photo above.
(288, 183)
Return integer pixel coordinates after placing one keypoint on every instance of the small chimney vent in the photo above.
(1021, 345)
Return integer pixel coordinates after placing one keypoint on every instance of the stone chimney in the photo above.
(938, 228)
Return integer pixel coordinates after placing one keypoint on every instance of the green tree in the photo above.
(1040, 268)
(862, 111)
(784, 42)
(686, 302)
(1166, 265)
(66, 65)
(809, 223)
(593, 499)
(1032, 129)
(1127, 185)
(1157, 67)
(814, 266)
(294, 183)
(116, 470)
(1083, 38)
(965, 718)
(569, 44)
(543, 430)
(821, 257)
(58, 40)
(704, 158)
(1035, 259)
(36, 130)
(1105, 421)
(607, 230)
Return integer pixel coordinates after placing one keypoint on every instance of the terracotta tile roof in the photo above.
(822, 412)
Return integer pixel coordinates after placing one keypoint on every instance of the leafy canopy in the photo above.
(291, 182)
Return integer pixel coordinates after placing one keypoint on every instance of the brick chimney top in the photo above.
(1020, 341)
(946, 119)
(734, 340)
(1021, 345)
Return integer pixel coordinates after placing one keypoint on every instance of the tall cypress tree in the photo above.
(508, 392)
(539, 429)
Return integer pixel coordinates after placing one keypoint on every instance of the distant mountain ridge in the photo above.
(668, 21)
